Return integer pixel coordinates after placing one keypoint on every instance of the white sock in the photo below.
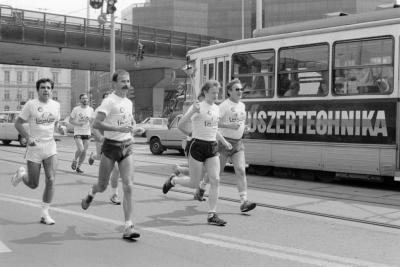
(203, 185)
(45, 209)
(128, 223)
(114, 191)
(91, 192)
(243, 196)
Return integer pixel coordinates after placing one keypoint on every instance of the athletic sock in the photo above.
(128, 223)
(203, 185)
(91, 192)
(45, 209)
(114, 191)
(243, 196)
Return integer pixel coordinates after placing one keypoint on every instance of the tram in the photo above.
(320, 95)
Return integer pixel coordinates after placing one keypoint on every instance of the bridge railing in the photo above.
(27, 26)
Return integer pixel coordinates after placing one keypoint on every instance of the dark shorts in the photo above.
(82, 136)
(117, 150)
(237, 145)
(201, 150)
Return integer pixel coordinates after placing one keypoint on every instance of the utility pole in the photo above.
(259, 14)
(242, 19)
(112, 45)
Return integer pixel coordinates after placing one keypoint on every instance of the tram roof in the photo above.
(367, 19)
(350, 19)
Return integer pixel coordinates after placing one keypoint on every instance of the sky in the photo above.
(66, 7)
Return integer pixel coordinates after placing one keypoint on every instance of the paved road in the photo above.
(174, 231)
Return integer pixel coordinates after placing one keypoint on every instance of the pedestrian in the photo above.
(115, 118)
(42, 115)
(232, 126)
(99, 138)
(203, 148)
(81, 118)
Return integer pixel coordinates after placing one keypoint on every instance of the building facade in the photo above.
(223, 18)
(18, 85)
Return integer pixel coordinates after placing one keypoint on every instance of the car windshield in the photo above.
(145, 120)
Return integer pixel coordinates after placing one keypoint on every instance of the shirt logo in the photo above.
(40, 109)
(122, 110)
(45, 118)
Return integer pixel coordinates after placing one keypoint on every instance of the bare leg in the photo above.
(50, 166)
(213, 170)
(126, 168)
(105, 169)
(82, 155)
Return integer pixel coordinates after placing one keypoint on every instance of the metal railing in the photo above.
(25, 26)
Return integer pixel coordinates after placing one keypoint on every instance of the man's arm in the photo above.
(222, 139)
(101, 125)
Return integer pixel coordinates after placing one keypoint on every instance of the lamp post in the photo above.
(112, 45)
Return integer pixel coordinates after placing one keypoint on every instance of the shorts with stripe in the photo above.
(201, 150)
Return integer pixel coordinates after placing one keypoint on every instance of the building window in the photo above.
(19, 76)
(31, 95)
(31, 76)
(6, 76)
(55, 77)
(19, 95)
(6, 108)
(19, 107)
(6, 94)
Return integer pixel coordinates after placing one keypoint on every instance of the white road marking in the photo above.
(285, 253)
(314, 254)
(4, 248)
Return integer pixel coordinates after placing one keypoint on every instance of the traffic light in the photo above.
(96, 3)
(140, 51)
(111, 6)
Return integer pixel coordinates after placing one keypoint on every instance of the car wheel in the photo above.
(156, 147)
(6, 142)
(22, 140)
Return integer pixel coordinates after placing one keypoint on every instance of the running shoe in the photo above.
(73, 165)
(247, 206)
(215, 220)
(168, 184)
(199, 194)
(17, 177)
(91, 159)
(115, 200)
(47, 220)
(130, 232)
(78, 170)
(86, 202)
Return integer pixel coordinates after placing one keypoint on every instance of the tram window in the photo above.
(303, 71)
(256, 71)
(363, 67)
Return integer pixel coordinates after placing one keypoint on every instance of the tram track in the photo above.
(261, 204)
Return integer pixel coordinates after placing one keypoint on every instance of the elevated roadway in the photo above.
(52, 40)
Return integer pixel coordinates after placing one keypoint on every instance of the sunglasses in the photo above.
(239, 89)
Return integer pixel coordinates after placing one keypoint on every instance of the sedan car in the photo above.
(151, 123)
(162, 139)
(8, 132)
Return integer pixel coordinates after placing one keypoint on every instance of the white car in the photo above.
(8, 132)
(151, 123)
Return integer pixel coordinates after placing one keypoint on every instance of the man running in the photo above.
(115, 118)
(80, 118)
(232, 126)
(42, 115)
(99, 138)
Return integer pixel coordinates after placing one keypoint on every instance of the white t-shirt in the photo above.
(205, 123)
(118, 112)
(41, 118)
(80, 115)
(231, 112)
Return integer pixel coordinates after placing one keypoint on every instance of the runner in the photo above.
(99, 138)
(81, 118)
(232, 126)
(42, 115)
(115, 118)
(203, 148)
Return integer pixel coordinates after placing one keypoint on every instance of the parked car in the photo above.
(8, 132)
(162, 139)
(151, 123)
(68, 126)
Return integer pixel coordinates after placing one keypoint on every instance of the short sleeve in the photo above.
(73, 113)
(105, 106)
(25, 113)
(58, 112)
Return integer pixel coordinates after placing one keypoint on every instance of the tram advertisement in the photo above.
(371, 121)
